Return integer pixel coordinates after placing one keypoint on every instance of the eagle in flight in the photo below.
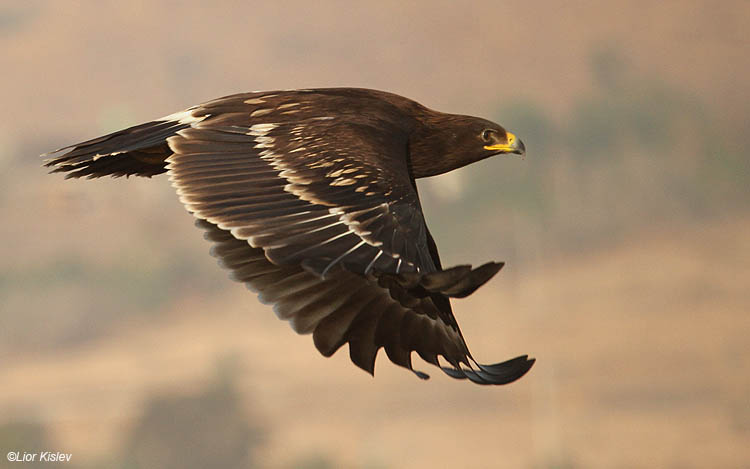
(309, 198)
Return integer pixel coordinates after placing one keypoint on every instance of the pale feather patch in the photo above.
(343, 182)
(320, 164)
(184, 117)
(334, 174)
(260, 112)
(264, 141)
(354, 226)
(260, 130)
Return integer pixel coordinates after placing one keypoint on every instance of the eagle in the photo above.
(309, 198)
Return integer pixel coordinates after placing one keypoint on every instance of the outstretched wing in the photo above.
(400, 313)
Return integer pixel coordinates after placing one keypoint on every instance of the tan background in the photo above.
(626, 230)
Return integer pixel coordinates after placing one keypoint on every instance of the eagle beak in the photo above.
(514, 145)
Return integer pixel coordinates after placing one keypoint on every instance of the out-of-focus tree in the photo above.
(209, 428)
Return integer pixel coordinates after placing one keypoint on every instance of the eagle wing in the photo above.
(367, 312)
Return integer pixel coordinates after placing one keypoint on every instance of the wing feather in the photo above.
(359, 310)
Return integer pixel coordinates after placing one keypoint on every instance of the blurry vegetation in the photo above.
(634, 153)
(15, 17)
(108, 295)
(24, 437)
(209, 428)
(201, 428)
(313, 461)
(145, 291)
(554, 463)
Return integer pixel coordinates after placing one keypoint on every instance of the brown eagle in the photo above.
(309, 197)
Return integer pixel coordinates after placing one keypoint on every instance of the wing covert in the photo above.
(284, 184)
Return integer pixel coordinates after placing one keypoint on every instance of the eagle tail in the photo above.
(140, 150)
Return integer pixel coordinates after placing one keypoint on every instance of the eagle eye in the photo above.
(487, 135)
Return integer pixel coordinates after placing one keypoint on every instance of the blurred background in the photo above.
(626, 229)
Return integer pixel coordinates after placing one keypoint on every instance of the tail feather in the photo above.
(140, 150)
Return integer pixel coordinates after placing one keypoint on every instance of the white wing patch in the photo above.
(178, 118)
(184, 117)
(261, 130)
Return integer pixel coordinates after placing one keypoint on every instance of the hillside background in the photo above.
(626, 229)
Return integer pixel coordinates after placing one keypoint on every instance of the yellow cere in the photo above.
(503, 146)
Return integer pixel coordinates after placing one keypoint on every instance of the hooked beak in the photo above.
(514, 145)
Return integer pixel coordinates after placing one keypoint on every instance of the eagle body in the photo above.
(309, 198)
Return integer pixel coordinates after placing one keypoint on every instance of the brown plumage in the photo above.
(309, 197)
